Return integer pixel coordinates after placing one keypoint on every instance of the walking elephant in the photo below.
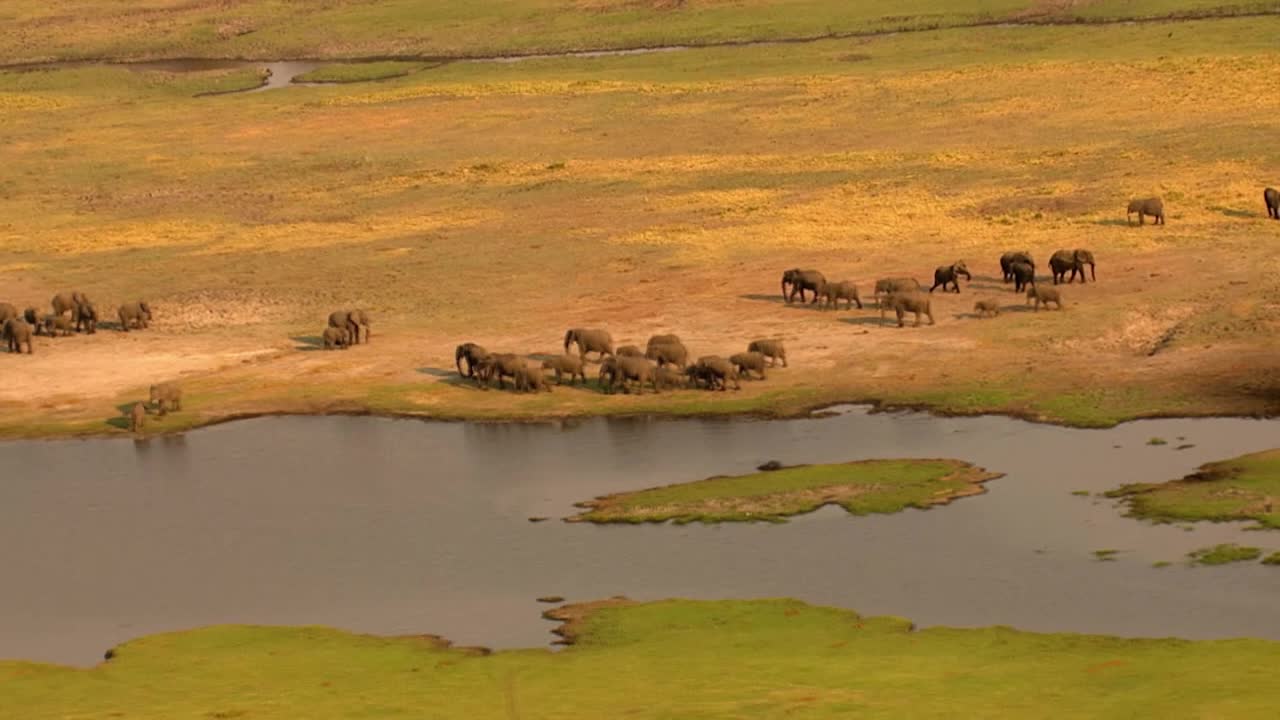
(713, 370)
(1014, 256)
(498, 366)
(134, 314)
(7, 313)
(1073, 260)
(166, 396)
(473, 354)
(566, 365)
(1271, 197)
(16, 334)
(747, 363)
(843, 290)
(1044, 296)
(796, 281)
(85, 317)
(772, 349)
(588, 340)
(669, 354)
(950, 275)
(889, 286)
(913, 302)
(1023, 275)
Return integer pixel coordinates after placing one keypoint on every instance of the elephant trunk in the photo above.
(568, 339)
(457, 359)
(784, 288)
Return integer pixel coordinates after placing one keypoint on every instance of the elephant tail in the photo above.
(569, 337)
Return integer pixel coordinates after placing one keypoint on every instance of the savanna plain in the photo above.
(505, 202)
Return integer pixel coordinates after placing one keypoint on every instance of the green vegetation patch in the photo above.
(869, 486)
(1223, 554)
(670, 659)
(1272, 559)
(359, 72)
(1243, 488)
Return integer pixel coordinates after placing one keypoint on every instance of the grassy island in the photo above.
(1243, 488)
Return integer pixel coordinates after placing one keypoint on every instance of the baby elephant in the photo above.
(17, 333)
(771, 349)
(747, 363)
(837, 291)
(530, 378)
(987, 308)
(336, 338)
(713, 370)
(56, 325)
(166, 396)
(137, 417)
(134, 314)
(1044, 296)
(566, 365)
(668, 377)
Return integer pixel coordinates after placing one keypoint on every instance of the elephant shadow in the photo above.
(450, 377)
(1112, 222)
(872, 320)
(438, 372)
(1232, 212)
(777, 300)
(308, 342)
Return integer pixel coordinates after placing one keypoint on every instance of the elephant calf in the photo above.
(914, 302)
(166, 396)
(1044, 296)
(747, 363)
(1152, 206)
(1024, 274)
(843, 290)
(137, 417)
(336, 338)
(56, 325)
(950, 275)
(987, 308)
(713, 370)
(566, 365)
(669, 354)
(85, 316)
(772, 349)
(529, 378)
(134, 314)
(16, 334)
(1271, 197)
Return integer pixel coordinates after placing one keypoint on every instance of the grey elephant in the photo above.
(770, 348)
(336, 338)
(66, 302)
(343, 319)
(1014, 256)
(566, 365)
(31, 315)
(713, 370)
(950, 275)
(166, 397)
(797, 281)
(911, 302)
(473, 354)
(1074, 261)
(16, 334)
(55, 326)
(608, 373)
(1152, 206)
(1044, 296)
(362, 321)
(529, 378)
(137, 417)
(7, 313)
(86, 317)
(888, 286)
(1023, 275)
(987, 308)
(747, 363)
(844, 290)
(497, 366)
(629, 368)
(669, 354)
(629, 351)
(589, 340)
(134, 314)
(669, 377)
(1271, 197)
(663, 340)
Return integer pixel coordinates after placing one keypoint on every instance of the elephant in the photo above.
(629, 351)
(344, 319)
(1024, 274)
(987, 308)
(914, 302)
(498, 366)
(663, 340)
(566, 365)
(950, 274)
(166, 397)
(668, 377)
(608, 372)
(137, 417)
(1044, 296)
(747, 363)
(473, 354)
(1152, 206)
(772, 349)
(530, 378)
(7, 312)
(32, 316)
(85, 316)
(627, 368)
(673, 353)
(1014, 256)
(55, 325)
(336, 338)
(134, 313)
(1271, 197)
(713, 370)
(587, 340)
(67, 301)
(361, 319)
(796, 281)
(1073, 260)
(888, 286)
(837, 291)
(16, 333)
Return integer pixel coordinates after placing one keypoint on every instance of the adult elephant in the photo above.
(637, 369)
(669, 353)
(913, 302)
(7, 312)
(16, 334)
(499, 366)
(1073, 260)
(891, 285)
(1008, 259)
(589, 340)
(796, 281)
(713, 370)
(950, 275)
(1152, 206)
(361, 319)
(343, 320)
(1271, 197)
(473, 354)
(1023, 274)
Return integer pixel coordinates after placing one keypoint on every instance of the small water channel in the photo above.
(403, 526)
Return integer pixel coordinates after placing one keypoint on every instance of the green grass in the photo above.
(1272, 559)
(1223, 554)
(674, 659)
(360, 72)
(1105, 555)
(1242, 488)
(870, 486)
(1161, 564)
(1157, 441)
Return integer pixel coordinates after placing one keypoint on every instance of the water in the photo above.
(402, 526)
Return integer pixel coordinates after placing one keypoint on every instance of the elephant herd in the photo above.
(73, 312)
(345, 328)
(663, 363)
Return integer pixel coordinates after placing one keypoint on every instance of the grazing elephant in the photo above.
(336, 338)
(597, 341)
(1271, 197)
(17, 332)
(843, 290)
(663, 340)
(889, 286)
(137, 417)
(85, 316)
(136, 314)
(1073, 260)
(55, 325)
(7, 313)
(669, 353)
(566, 365)
(796, 281)
(343, 319)
(1014, 256)
(987, 308)
(166, 397)
(747, 363)
(1044, 296)
(529, 378)
(772, 349)
(1023, 275)
(669, 377)
(902, 303)
(498, 366)
(628, 368)
(1152, 206)
(950, 274)
(629, 351)
(713, 370)
(473, 354)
